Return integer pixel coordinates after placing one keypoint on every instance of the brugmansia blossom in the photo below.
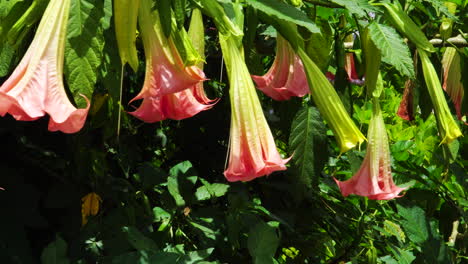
(36, 85)
(406, 109)
(448, 128)
(374, 178)
(169, 86)
(252, 149)
(452, 78)
(286, 77)
(350, 68)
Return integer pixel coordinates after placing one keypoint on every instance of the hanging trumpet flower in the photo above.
(286, 77)
(169, 86)
(374, 178)
(36, 85)
(252, 149)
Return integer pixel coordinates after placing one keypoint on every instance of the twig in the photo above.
(453, 236)
(457, 41)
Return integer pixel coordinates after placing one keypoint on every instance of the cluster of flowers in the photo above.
(172, 90)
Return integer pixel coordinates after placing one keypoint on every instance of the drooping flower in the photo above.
(374, 178)
(286, 77)
(406, 108)
(169, 86)
(447, 126)
(330, 106)
(252, 149)
(350, 68)
(36, 85)
(452, 78)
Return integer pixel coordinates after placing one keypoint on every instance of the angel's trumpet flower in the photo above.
(252, 149)
(286, 77)
(330, 106)
(36, 85)
(350, 68)
(165, 92)
(374, 178)
(448, 128)
(452, 78)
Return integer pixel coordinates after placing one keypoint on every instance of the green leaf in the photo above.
(55, 252)
(145, 257)
(6, 59)
(440, 7)
(394, 50)
(181, 181)
(138, 240)
(358, 7)
(194, 257)
(414, 223)
(84, 47)
(284, 12)
(262, 243)
(308, 138)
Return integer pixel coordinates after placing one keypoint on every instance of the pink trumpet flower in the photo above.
(36, 85)
(452, 78)
(169, 88)
(252, 149)
(353, 77)
(286, 77)
(176, 106)
(374, 178)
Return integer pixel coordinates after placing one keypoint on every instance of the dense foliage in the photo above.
(124, 191)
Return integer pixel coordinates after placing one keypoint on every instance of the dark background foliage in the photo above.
(164, 196)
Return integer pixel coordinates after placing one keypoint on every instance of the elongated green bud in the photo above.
(372, 58)
(407, 27)
(125, 19)
(448, 128)
(19, 29)
(185, 46)
(330, 106)
(447, 23)
(196, 33)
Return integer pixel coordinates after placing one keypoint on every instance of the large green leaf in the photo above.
(394, 50)
(262, 243)
(414, 223)
(284, 12)
(138, 240)
(55, 252)
(358, 7)
(84, 46)
(308, 138)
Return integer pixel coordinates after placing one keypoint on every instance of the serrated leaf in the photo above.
(414, 223)
(84, 46)
(358, 7)
(440, 7)
(308, 137)
(284, 12)
(394, 51)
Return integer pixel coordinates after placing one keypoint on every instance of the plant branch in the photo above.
(457, 41)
